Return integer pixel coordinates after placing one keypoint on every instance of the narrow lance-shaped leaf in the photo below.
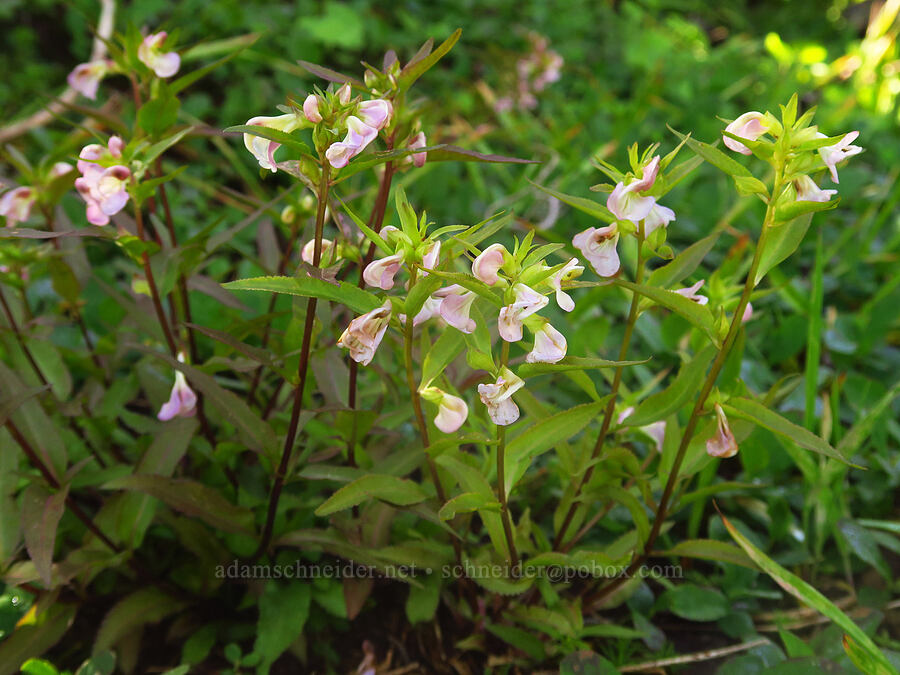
(41, 512)
(698, 315)
(373, 486)
(808, 595)
(418, 67)
(285, 139)
(714, 156)
(588, 206)
(572, 363)
(672, 398)
(350, 295)
(793, 210)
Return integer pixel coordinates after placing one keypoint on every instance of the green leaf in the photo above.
(748, 185)
(39, 667)
(148, 605)
(446, 348)
(714, 156)
(710, 549)
(283, 611)
(65, 283)
(422, 601)
(452, 153)
(187, 80)
(470, 283)
(684, 263)
(680, 391)
(286, 139)
(698, 315)
(781, 243)
(544, 435)
(159, 148)
(860, 431)
(862, 543)
(588, 206)
(41, 512)
(760, 415)
(103, 663)
(349, 295)
(572, 363)
(373, 486)
(586, 663)
(330, 75)
(190, 498)
(811, 597)
(159, 113)
(371, 234)
(793, 210)
(864, 660)
(466, 503)
(697, 604)
(522, 640)
(419, 293)
(33, 639)
(418, 67)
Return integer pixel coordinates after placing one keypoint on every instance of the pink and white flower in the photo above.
(659, 216)
(832, 155)
(748, 313)
(569, 271)
(488, 263)
(359, 135)
(691, 293)
(751, 125)
(452, 410)
(307, 253)
(418, 141)
(380, 273)
(86, 77)
(549, 346)
(375, 113)
(430, 308)
(598, 245)
(311, 109)
(365, 333)
(104, 190)
(182, 401)
(16, 204)
(498, 397)
(455, 307)
(432, 255)
(626, 204)
(343, 94)
(150, 53)
(60, 169)
(527, 301)
(808, 191)
(264, 149)
(723, 443)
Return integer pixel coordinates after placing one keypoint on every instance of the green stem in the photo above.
(709, 383)
(501, 477)
(611, 406)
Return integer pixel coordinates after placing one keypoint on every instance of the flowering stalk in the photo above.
(151, 282)
(302, 368)
(501, 476)
(709, 383)
(614, 391)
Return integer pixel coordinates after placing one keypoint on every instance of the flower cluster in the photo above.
(104, 181)
(533, 73)
(635, 210)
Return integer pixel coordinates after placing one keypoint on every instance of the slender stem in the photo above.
(151, 282)
(376, 220)
(708, 384)
(614, 392)
(302, 368)
(501, 478)
(20, 339)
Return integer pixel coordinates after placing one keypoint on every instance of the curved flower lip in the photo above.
(488, 263)
(85, 77)
(432, 255)
(375, 113)
(452, 410)
(455, 307)
(527, 302)
(151, 55)
(569, 271)
(549, 346)
(832, 155)
(16, 204)
(723, 443)
(430, 308)
(264, 149)
(60, 169)
(625, 204)
(359, 135)
(380, 273)
(808, 191)
(659, 216)
(365, 333)
(497, 397)
(648, 178)
(343, 93)
(691, 293)
(182, 401)
(749, 126)
(598, 245)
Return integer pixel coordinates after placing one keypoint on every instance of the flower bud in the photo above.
(418, 141)
(376, 113)
(182, 401)
(343, 94)
(311, 109)
(452, 410)
(723, 443)
(307, 253)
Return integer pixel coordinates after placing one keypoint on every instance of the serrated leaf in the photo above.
(710, 549)
(283, 611)
(41, 513)
(350, 295)
(148, 605)
(446, 348)
(521, 639)
(781, 244)
(697, 604)
(466, 503)
(572, 363)
(684, 263)
(391, 489)
(422, 601)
